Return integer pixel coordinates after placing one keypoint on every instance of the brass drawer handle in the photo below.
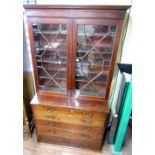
(48, 109)
(50, 124)
(71, 111)
(87, 120)
(50, 117)
(51, 131)
(86, 128)
(90, 114)
(84, 120)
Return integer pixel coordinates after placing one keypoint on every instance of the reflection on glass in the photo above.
(50, 46)
(93, 58)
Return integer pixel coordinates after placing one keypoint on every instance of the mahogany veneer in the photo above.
(74, 51)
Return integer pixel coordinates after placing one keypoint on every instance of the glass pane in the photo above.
(93, 58)
(51, 55)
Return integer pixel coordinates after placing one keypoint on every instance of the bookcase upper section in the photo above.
(74, 48)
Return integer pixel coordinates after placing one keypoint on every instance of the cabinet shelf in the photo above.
(61, 73)
(50, 68)
(60, 76)
(50, 32)
(81, 51)
(53, 89)
(91, 75)
(52, 61)
(96, 41)
(47, 77)
(94, 63)
(52, 49)
(59, 48)
(93, 69)
(95, 82)
(102, 50)
(112, 34)
(100, 45)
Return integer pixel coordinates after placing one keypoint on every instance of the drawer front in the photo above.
(69, 134)
(71, 127)
(93, 145)
(70, 116)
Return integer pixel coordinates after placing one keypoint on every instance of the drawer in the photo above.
(68, 134)
(92, 145)
(70, 116)
(73, 127)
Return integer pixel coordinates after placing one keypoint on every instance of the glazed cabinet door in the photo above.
(50, 44)
(95, 47)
